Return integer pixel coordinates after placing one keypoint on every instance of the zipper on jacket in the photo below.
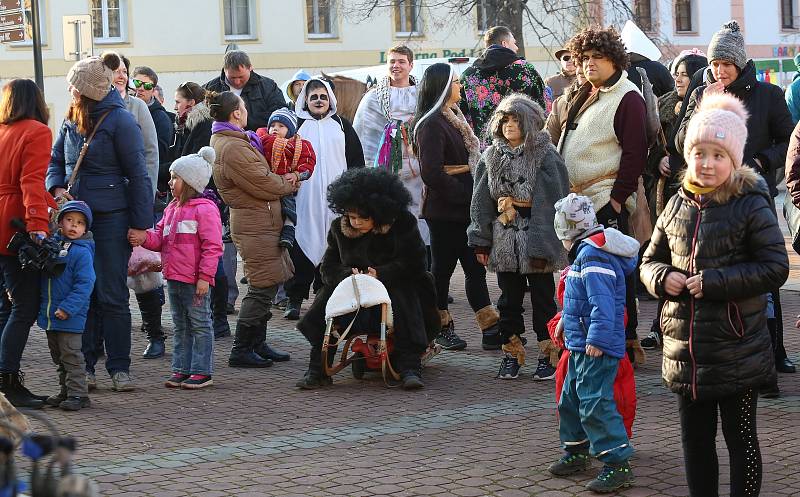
(49, 304)
(691, 301)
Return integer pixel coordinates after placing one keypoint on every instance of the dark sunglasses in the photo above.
(141, 84)
(313, 98)
(566, 58)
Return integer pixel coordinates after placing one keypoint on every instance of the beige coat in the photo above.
(253, 194)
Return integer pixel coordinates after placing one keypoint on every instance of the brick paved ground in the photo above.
(465, 434)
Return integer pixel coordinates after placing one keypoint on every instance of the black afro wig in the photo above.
(371, 192)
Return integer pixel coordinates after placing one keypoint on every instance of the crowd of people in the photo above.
(624, 175)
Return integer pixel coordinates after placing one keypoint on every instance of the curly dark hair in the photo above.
(371, 192)
(606, 41)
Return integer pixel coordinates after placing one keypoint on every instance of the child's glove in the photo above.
(515, 348)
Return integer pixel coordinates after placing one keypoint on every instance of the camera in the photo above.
(43, 256)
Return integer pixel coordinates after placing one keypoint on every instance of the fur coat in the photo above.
(528, 244)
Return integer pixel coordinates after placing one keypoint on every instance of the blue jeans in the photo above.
(109, 313)
(192, 335)
(16, 318)
(230, 263)
(587, 411)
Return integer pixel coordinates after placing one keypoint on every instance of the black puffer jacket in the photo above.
(718, 345)
(768, 129)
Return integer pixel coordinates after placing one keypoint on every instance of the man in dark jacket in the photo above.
(145, 80)
(499, 72)
(768, 131)
(261, 95)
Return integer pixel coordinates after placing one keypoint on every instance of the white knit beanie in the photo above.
(195, 169)
(575, 216)
(720, 119)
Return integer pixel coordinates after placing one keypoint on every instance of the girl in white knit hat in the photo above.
(715, 253)
(189, 237)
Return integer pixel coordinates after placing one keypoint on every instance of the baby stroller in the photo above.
(366, 349)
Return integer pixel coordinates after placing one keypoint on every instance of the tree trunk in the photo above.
(509, 13)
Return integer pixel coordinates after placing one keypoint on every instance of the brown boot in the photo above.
(488, 319)
(633, 346)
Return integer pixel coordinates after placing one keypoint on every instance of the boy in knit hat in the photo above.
(592, 324)
(65, 304)
(291, 157)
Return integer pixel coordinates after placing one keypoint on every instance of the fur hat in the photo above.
(92, 77)
(285, 117)
(575, 217)
(195, 169)
(720, 119)
(76, 206)
(728, 44)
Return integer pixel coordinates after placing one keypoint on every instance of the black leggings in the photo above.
(699, 432)
(543, 305)
(304, 275)
(449, 246)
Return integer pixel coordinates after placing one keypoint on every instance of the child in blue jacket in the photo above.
(65, 303)
(593, 326)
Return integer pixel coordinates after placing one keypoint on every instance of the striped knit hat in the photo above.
(285, 117)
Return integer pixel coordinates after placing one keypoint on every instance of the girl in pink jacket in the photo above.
(189, 237)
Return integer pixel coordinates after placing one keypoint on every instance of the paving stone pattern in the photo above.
(465, 434)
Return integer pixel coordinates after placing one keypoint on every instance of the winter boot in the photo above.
(635, 352)
(548, 360)
(287, 236)
(447, 338)
(242, 354)
(61, 396)
(513, 360)
(488, 319)
(75, 403)
(411, 380)
(575, 460)
(611, 478)
(150, 308)
(293, 309)
(13, 387)
(315, 376)
(261, 348)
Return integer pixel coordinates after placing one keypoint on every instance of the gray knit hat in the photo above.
(728, 44)
(93, 76)
(195, 169)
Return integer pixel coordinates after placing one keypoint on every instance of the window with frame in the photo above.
(643, 14)
(683, 16)
(407, 17)
(787, 14)
(108, 20)
(238, 17)
(320, 16)
(483, 16)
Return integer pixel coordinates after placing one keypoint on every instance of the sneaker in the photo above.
(230, 309)
(281, 304)
(611, 478)
(91, 381)
(411, 380)
(293, 310)
(509, 368)
(449, 340)
(75, 403)
(57, 399)
(651, 341)
(544, 371)
(175, 380)
(121, 382)
(243, 281)
(571, 463)
(197, 381)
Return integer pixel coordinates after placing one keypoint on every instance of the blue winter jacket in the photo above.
(793, 93)
(71, 290)
(113, 176)
(594, 294)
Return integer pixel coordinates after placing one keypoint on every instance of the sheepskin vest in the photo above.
(591, 150)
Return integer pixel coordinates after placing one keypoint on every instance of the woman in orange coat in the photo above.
(25, 142)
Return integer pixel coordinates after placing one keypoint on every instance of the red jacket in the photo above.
(25, 148)
(288, 155)
(624, 383)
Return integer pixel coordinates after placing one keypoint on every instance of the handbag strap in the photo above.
(85, 149)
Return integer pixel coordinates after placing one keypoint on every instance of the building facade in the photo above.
(184, 40)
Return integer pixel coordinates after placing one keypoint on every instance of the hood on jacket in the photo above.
(199, 113)
(617, 243)
(745, 82)
(636, 42)
(495, 58)
(110, 101)
(87, 240)
(300, 75)
(300, 108)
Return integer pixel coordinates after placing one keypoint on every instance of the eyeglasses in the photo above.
(315, 97)
(141, 84)
(566, 58)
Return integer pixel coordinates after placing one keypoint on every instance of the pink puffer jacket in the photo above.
(189, 238)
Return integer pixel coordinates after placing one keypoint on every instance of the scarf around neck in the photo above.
(455, 117)
(252, 137)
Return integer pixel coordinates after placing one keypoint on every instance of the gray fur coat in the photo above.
(527, 244)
